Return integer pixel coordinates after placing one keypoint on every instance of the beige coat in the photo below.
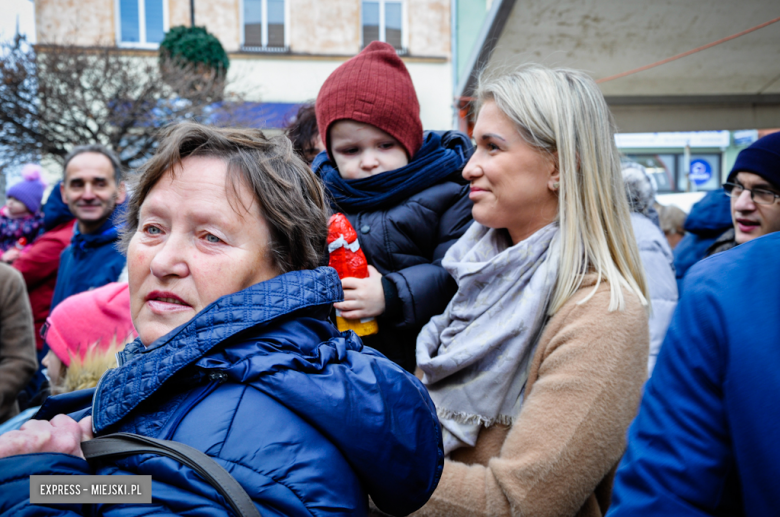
(559, 457)
(17, 340)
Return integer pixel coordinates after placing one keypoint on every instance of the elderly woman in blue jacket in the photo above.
(235, 355)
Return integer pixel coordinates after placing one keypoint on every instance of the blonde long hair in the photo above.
(563, 113)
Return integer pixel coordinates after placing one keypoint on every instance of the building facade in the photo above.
(281, 51)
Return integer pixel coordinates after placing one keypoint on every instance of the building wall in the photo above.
(322, 36)
(276, 79)
(318, 27)
(179, 12)
(471, 14)
(315, 27)
(76, 22)
(222, 19)
(429, 27)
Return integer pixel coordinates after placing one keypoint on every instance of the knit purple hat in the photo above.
(762, 158)
(30, 190)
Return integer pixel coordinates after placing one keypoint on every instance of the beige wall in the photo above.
(276, 79)
(179, 12)
(318, 27)
(429, 27)
(221, 18)
(77, 22)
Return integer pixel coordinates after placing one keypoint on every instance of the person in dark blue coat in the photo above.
(236, 356)
(93, 189)
(401, 190)
(707, 221)
(705, 440)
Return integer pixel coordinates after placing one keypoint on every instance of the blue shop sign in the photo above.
(701, 172)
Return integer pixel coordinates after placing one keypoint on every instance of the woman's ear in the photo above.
(554, 181)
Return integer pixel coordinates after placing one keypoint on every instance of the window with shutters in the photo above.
(384, 20)
(264, 26)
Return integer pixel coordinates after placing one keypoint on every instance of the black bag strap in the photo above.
(123, 444)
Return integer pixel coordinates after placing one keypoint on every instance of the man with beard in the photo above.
(92, 187)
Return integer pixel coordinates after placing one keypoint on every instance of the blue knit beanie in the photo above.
(30, 190)
(762, 158)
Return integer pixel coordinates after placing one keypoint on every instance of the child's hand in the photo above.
(10, 255)
(363, 297)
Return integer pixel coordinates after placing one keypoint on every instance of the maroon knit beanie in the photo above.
(375, 88)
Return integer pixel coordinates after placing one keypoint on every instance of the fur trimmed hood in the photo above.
(83, 374)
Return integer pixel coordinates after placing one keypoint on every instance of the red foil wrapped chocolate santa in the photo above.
(348, 260)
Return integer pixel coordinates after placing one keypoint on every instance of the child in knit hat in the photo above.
(83, 334)
(21, 218)
(401, 190)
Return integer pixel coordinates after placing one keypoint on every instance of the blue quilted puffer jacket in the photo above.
(305, 418)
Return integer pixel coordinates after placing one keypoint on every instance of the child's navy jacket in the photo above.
(406, 239)
(307, 420)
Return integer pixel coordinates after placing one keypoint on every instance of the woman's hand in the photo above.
(60, 434)
(363, 297)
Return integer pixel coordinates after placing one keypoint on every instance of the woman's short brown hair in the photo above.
(291, 197)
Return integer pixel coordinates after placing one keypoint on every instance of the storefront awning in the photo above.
(734, 84)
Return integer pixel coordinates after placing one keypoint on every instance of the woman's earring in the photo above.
(556, 185)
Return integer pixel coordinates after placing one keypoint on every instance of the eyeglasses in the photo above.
(758, 195)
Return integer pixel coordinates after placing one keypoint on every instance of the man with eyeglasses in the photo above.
(754, 188)
(705, 441)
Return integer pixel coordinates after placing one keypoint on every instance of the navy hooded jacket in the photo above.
(92, 260)
(406, 240)
(705, 442)
(709, 218)
(305, 418)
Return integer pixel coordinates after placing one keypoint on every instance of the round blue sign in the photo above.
(701, 172)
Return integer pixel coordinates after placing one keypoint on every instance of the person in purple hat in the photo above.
(21, 218)
(754, 188)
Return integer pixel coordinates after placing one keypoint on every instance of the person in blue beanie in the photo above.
(753, 185)
(235, 356)
(400, 188)
(93, 189)
(705, 440)
(754, 188)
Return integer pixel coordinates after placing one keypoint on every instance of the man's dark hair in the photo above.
(96, 148)
(303, 129)
(291, 198)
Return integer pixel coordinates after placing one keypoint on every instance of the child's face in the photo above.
(55, 368)
(362, 150)
(16, 208)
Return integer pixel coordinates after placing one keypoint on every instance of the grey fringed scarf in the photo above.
(475, 356)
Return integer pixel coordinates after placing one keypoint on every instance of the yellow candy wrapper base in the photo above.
(361, 328)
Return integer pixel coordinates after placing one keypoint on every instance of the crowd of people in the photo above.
(524, 282)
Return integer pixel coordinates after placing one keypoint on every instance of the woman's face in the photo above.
(194, 244)
(512, 183)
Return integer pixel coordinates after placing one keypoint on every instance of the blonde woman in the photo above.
(537, 364)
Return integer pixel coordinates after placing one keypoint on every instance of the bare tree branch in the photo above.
(55, 97)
